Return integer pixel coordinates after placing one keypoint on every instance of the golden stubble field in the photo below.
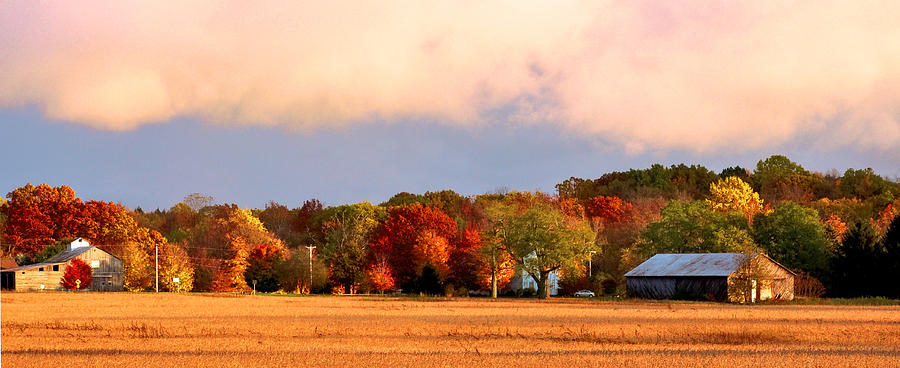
(141, 330)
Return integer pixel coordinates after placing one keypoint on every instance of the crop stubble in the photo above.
(140, 330)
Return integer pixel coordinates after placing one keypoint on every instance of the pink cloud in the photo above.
(699, 76)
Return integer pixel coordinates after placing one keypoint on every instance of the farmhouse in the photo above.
(522, 280)
(734, 277)
(107, 270)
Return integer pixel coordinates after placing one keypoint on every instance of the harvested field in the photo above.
(140, 330)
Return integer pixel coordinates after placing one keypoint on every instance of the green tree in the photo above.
(693, 227)
(541, 239)
(347, 233)
(891, 259)
(793, 236)
(855, 266)
(778, 179)
(293, 273)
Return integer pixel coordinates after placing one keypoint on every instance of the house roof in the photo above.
(60, 258)
(8, 262)
(688, 264)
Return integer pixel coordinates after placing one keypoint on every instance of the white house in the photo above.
(523, 280)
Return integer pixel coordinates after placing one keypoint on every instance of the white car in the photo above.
(585, 294)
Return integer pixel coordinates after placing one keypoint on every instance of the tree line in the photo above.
(839, 232)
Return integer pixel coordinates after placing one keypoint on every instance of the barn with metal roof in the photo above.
(735, 277)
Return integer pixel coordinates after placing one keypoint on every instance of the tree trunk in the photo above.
(543, 290)
(494, 276)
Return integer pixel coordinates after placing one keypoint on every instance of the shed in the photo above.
(107, 270)
(735, 277)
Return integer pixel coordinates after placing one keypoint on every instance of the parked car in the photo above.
(585, 294)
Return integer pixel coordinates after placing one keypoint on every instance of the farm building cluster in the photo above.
(106, 270)
(733, 277)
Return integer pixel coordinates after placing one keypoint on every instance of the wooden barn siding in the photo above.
(781, 280)
(107, 277)
(32, 279)
(703, 288)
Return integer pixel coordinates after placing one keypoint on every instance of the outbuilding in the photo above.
(107, 270)
(735, 277)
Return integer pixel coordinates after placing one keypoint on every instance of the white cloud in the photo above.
(701, 76)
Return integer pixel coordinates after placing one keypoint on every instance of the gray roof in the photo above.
(689, 264)
(67, 255)
(59, 258)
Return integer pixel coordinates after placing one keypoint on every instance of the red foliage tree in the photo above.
(412, 236)
(40, 215)
(467, 265)
(381, 276)
(78, 275)
(608, 210)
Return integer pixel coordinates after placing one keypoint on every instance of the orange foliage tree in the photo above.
(608, 210)
(231, 273)
(380, 276)
(78, 275)
(412, 237)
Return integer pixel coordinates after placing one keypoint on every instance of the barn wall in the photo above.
(701, 288)
(32, 279)
(773, 281)
(108, 273)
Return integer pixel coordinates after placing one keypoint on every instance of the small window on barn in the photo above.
(40, 269)
(56, 267)
(95, 264)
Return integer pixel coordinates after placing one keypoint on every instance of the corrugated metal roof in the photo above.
(689, 264)
(67, 255)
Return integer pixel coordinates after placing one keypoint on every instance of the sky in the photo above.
(349, 101)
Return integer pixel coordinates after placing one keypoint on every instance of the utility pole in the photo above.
(310, 267)
(157, 267)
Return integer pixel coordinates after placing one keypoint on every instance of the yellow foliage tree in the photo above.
(137, 275)
(733, 194)
(175, 264)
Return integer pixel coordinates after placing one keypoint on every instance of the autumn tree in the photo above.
(39, 215)
(137, 273)
(221, 228)
(411, 237)
(174, 263)
(605, 211)
(733, 194)
(380, 276)
(466, 264)
(78, 275)
(230, 277)
(541, 239)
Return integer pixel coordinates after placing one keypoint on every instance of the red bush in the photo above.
(77, 275)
